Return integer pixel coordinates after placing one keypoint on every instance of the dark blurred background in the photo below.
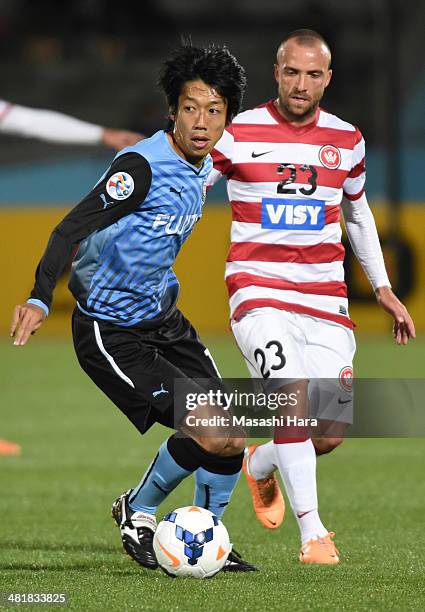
(98, 60)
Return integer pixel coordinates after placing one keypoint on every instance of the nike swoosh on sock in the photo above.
(301, 514)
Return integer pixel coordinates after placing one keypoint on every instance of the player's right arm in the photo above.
(95, 212)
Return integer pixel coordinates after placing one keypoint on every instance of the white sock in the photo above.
(262, 461)
(311, 527)
(297, 466)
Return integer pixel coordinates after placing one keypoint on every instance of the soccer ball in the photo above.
(191, 541)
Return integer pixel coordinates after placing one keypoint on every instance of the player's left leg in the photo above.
(296, 459)
(125, 365)
(329, 353)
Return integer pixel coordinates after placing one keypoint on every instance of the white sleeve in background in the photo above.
(363, 237)
(47, 125)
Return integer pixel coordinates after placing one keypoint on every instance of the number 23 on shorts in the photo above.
(270, 357)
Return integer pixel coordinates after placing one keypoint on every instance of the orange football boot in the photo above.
(267, 498)
(322, 550)
(9, 448)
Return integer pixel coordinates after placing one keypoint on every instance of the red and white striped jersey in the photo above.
(285, 185)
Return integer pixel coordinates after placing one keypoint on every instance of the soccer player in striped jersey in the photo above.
(291, 169)
(129, 336)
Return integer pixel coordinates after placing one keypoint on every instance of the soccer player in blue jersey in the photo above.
(128, 334)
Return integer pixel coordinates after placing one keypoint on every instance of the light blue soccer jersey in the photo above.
(123, 273)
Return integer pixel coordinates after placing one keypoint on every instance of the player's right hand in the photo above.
(27, 318)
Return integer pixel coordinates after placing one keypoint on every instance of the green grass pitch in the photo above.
(79, 453)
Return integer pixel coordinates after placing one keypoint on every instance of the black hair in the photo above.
(214, 65)
(306, 37)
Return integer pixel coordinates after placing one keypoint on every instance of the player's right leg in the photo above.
(119, 364)
(137, 530)
(267, 498)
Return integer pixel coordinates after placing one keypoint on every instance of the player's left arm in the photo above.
(364, 239)
(363, 236)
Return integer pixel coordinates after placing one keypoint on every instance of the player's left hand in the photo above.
(118, 139)
(403, 328)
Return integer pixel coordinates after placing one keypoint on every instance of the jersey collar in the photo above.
(302, 129)
(181, 159)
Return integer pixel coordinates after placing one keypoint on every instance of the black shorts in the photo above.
(137, 368)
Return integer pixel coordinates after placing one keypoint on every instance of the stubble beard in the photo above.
(308, 113)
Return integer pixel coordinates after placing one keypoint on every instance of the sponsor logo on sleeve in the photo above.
(120, 186)
(278, 213)
(330, 157)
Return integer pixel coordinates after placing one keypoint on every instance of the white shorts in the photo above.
(281, 344)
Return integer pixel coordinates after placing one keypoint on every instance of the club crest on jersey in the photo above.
(346, 378)
(330, 157)
(279, 213)
(120, 186)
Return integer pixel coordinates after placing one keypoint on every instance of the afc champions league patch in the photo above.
(120, 186)
(346, 378)
(330, 157)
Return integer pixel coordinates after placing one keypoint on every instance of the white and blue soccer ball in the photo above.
(191, 541)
